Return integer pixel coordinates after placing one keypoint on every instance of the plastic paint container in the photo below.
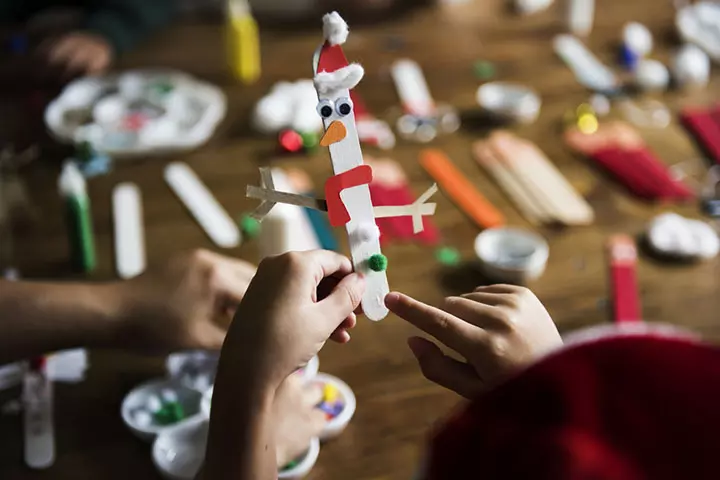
(511, 255)
(138, 399)
(304, 465)
(178, 451)
(346, 397)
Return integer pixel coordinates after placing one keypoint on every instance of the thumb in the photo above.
(344, 298)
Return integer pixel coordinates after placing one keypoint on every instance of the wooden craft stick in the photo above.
(130, 258)
(208, 212)
(528, 206)
(624, 289)
(538, 174)
(462, 192)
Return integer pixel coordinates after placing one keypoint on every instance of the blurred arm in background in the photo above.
(184, 305)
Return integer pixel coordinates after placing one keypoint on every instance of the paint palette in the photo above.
(154, 406)
(137, 113)
(338, 403)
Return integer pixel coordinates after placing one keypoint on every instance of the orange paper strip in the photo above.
(460, 190)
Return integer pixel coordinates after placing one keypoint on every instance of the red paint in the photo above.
(290, 141)
(337, 212)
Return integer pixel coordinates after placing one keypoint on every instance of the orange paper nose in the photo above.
(335, 132)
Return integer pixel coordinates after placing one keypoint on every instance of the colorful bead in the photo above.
(628, 58)
(249, 226)
(330, 393)
(290, 141)
(587, 124)
(483, 70)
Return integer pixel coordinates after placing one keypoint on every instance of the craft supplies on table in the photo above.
(589, 71)
(672, 235)
(136, 113)
(581, 15)
(509, 101)
(78, 217)
(537, 187)
(460, 190)
(704, 125)
(625, 296)
(38, 423)
(423, 119)
(698, 23)
(511, 255)
(201, 203)
(620, 150)
(130, 258)
(243, 41)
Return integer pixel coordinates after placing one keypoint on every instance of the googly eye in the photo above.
(343, 106)
(325, 108)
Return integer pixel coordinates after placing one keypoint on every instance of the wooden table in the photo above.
(396, 404)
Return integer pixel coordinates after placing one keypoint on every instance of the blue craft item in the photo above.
(322, 228)
(97, 165)
(629, 59)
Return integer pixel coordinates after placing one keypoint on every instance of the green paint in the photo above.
(249, 226)
(483, 70)
(80, 230)
(378, 262)
(171, 412)
(447, 256)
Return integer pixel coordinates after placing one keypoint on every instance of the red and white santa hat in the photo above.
(635, 404)
(332, 70)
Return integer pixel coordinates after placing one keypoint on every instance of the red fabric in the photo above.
(641, 172)
(337, 213)
(332, 58)
(626, 408)
(705, 127)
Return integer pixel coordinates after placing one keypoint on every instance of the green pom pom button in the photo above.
(378, 262)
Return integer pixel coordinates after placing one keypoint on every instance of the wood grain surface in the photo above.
(397, 406)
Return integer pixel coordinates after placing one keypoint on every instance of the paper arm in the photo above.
(270, 197)
(417, 210)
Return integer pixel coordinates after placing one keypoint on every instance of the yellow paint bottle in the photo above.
(243, 42)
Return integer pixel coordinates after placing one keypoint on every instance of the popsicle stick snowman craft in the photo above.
(347, 194)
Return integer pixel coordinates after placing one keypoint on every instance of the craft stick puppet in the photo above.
(347, 193)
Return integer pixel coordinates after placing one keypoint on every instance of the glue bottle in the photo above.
(243, 42)
(79, 219)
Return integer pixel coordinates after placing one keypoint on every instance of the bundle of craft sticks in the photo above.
(538, 189)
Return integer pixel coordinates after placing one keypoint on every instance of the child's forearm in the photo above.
(241, 443)
(37, 318)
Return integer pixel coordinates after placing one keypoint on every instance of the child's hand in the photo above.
(186, 305)
(293, 305)
(81, 53)
(298, 418)
(497, 329)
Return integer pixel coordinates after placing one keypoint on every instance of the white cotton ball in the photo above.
(691, 66)
(671, 234)
(131, 86)
(153, 403)
(637, 38)
(306, 119)
(142, 418)
(272, 113)
(281, 88)
(652, 75)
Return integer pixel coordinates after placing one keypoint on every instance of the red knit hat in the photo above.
(628, 406)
